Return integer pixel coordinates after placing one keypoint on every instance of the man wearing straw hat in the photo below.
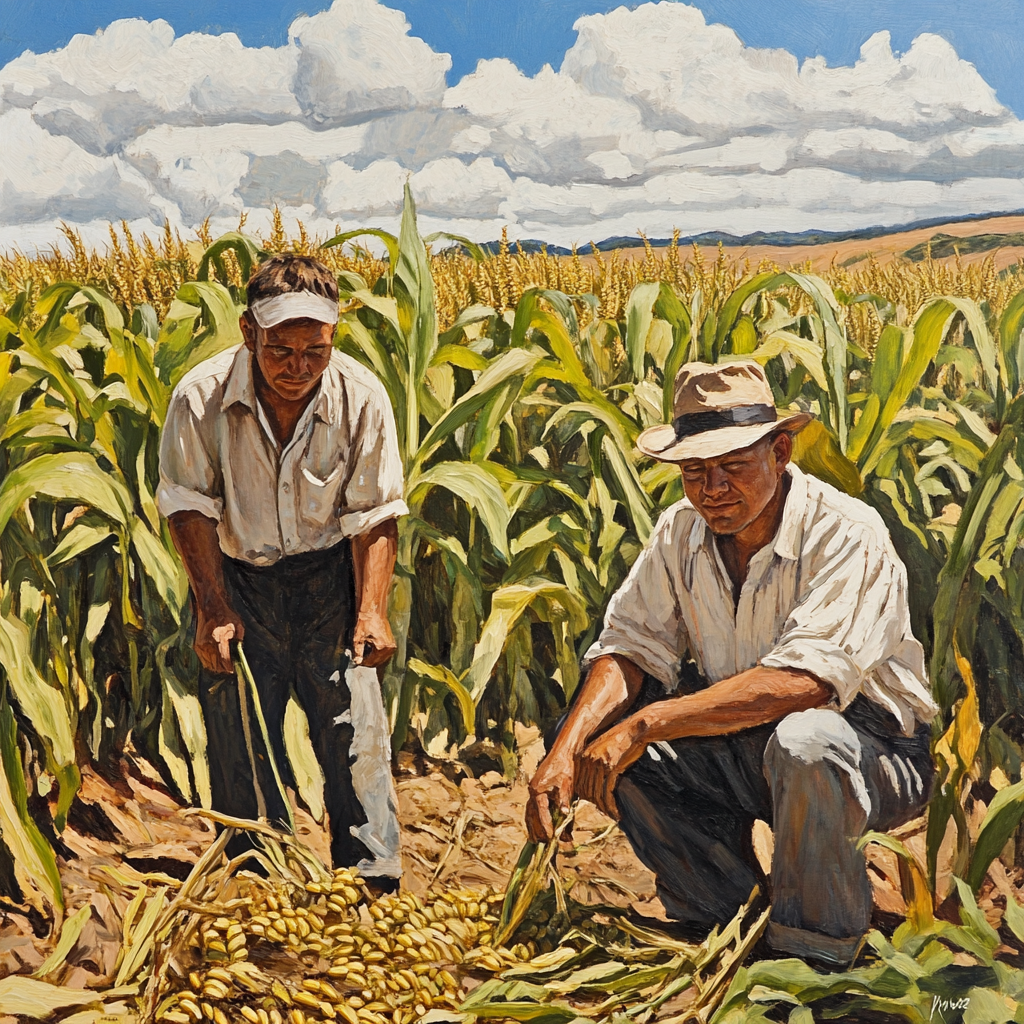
(281, 480)
(757, 663)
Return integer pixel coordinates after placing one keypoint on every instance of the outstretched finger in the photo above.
(538, 819)
(608, 804)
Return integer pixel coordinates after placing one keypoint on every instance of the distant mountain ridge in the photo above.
(780, 238)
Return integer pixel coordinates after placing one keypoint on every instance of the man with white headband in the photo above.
(282, 481)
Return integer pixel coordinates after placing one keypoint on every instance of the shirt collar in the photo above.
(786, 543)
(240, 390)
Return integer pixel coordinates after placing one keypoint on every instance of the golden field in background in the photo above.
(136, 270)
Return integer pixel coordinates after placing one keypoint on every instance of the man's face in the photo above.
(292, 356)
(732, 490)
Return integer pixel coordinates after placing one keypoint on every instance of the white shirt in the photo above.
(828, 596)
(339, 476)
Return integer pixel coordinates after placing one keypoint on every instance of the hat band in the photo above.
(739, 416)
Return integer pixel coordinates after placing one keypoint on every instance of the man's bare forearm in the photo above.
(373, 558)
(611, 686)
(195, 537)
(755, 697)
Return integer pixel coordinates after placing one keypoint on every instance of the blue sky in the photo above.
(989, 33)
(727, 115)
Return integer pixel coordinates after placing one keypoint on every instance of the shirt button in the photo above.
(286, 488)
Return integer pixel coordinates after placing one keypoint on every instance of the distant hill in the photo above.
(783, 239)
(942, 245)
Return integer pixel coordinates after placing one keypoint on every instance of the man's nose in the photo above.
(715, 479)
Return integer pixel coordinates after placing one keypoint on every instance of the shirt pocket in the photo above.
(320, 496)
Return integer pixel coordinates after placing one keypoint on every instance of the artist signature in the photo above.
(943, 1006)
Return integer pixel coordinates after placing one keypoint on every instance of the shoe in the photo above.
(381, 885)
(826, 954)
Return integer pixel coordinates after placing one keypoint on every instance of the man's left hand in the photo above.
(603, 761)
(372, 642)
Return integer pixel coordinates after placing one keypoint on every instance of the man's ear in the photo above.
(248, 328)
(782, 446)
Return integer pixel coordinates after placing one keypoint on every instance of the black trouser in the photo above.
(298, 615)
(820, 778)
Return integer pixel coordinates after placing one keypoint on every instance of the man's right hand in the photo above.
(551, 789)
(216, 627)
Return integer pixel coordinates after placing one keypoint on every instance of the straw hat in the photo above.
(718, 409)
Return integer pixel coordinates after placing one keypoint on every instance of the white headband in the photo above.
(294, 306)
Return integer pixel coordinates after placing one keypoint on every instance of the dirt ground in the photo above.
(457, 831)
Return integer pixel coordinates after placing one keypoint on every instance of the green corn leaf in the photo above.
(816, 451)
(514, 363)
(417, 312)
(246, 251)
(72, 477)
(354, 339)
(966, 540)
(627, 483)
(639, 314)
(999, 824)
(459, 355)
(1014, 917)
(161, 567)
(448, 679)
(888, 360)
(34, 864)
(175, 339)
(974, 920)
(835, 347)
(470, 315)
(1011, 341)
(188, 716)
(474, 250)
(558, 324)
(674, 312)
(508, 604)
(82, 537)
(805, 351)
(387, 238)
(41, 703)
(927, 332)
(477, 488)
(220, 329)
(169, 745)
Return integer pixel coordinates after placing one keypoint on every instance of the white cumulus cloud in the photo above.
(654, 120)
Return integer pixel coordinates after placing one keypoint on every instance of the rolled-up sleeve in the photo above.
(376, 485)
(852, 620)
(643, 622)
(188, 474)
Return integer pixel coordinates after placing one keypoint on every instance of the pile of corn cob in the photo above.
(284, 954)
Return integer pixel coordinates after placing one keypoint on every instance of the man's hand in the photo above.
(603, 761)
(216, 627)
(551, 789)
(373, 643)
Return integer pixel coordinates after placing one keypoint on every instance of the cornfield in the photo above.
(519, 384)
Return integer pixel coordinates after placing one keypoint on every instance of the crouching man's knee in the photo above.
(816, 744)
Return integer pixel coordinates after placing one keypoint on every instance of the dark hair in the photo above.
(287, 272)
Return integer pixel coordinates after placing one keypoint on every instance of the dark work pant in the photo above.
(819, 778)
(298, 615)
